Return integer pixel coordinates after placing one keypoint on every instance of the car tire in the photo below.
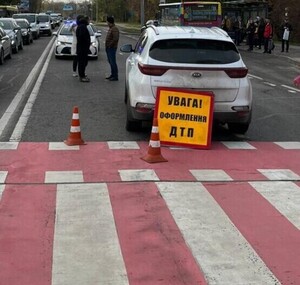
(21, 46)
(238, 128)
(1, 56)
(131, 124)
(16, 49)
(125, 93)
(10, 53)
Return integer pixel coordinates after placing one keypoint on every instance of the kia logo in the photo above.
(196, 74)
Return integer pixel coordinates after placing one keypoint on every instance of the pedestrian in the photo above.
(286, 29)
(250, 30)
(111, 45)
(226, 24)
(268, 37)
(83, 47)
(73, 28)
(237, 27)
(260, 32)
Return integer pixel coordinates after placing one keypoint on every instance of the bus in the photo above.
(7, 11)
(191, 13)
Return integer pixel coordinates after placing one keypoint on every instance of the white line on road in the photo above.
(291, 88)
(20, 127)
(256, 77)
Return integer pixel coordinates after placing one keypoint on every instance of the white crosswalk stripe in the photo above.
(284, 196)
(221, 251)
(86, 247)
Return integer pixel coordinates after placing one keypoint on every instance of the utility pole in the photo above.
(142, 12)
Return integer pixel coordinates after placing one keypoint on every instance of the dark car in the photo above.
(13, 30)
(26, 31)
(5, 46)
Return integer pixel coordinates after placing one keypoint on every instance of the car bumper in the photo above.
(65, 50)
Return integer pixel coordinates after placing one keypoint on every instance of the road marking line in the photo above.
(123, 145)
(284, 196)
(3, 175)
(237, 145)
(279, 174)
(64, 176)
(256, 77)
(86, 247)
(138, 175)
(222, 252)
(9, 145)
(1, 190)
(289, 145)
(291, 88)
(10, 111)
(62, 146)
(210, 175)
(270, 84)
(22, 122)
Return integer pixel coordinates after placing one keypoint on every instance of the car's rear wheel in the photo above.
(16, 49)
(238, 128)
(132, 125)
(21, 45)
(1, 56)
(10, 53)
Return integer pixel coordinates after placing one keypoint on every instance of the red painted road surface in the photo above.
(156, 244)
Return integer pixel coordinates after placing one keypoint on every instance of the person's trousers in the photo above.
(82, 59)
(111, 57)
(283, 43)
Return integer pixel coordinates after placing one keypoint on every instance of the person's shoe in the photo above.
(75, 74)
(109, 77)
(113, 79)
(282, 51)
(84, 79)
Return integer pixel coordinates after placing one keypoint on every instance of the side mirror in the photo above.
(126, 48)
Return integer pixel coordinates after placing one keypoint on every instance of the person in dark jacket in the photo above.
(83, 47)
(111, 44)
(286, 29)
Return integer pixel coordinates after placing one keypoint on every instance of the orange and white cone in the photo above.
(74, 137)
(154, 154)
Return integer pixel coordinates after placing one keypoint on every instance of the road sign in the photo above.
(68, 7)
(184, 117)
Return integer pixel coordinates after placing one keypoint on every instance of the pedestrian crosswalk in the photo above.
(151, 233)
(98, 214)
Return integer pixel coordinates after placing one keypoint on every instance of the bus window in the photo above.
(198, 13)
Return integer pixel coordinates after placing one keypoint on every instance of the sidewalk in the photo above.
(292, 55)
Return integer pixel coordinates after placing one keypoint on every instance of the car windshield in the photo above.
(22, 24)
(6, 25)
(43, 19)
(194, 51)
(29, 18)
(66, 30)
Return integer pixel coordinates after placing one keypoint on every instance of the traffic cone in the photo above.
(154, 154)
(74, 137)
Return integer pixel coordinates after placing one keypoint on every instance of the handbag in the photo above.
(271, 45)
(286, 35)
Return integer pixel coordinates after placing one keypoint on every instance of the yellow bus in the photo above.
(7, 11)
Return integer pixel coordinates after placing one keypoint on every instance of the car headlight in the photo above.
(47, 25)
(24, 33)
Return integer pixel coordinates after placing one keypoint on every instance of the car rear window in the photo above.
(44, 19)
(194, 51)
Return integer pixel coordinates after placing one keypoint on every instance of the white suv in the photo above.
(196, 58)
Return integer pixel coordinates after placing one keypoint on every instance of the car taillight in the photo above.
(236, 72)
(152, 69)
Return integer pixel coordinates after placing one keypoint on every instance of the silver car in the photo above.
(195, 58)
(5, 46)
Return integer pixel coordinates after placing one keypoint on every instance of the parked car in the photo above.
(55, 20)
(194, 58)
(33, 21)
(98, 34)
(26, 31)
(64, 39)
(13, 30)
(45, 21)
(5, 46)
